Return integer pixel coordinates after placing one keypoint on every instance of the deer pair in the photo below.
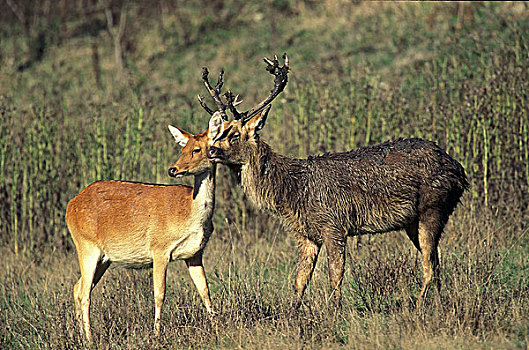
(410, 185)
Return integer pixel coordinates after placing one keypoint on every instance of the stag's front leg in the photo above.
(335, 245)
(307, 256)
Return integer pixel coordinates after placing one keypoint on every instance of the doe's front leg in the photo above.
(198, 276)
(159, 272)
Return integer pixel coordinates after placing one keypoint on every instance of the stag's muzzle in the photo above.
(215, 153)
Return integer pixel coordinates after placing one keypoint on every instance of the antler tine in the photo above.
(220, 82)
(214, 93)
(280, 81)
(204, 105)
(270, 63)
(237, 102)
(205, 73)
(232, 103)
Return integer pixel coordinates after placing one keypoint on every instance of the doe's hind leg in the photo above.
(89, 262)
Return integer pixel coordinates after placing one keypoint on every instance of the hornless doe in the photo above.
(139, 225)
(404, 184)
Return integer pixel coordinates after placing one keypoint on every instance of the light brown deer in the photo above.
(410, 185)
(138, 225)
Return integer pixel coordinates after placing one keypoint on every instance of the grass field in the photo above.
(362, 73)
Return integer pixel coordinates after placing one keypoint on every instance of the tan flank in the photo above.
(137, 225)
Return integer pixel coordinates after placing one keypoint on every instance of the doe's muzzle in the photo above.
(172, 172)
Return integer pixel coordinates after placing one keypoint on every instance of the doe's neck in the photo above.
(204, 187)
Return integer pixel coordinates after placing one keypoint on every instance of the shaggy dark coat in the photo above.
(407, 184)
(373, 189)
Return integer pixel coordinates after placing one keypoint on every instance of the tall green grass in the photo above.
(60, 132)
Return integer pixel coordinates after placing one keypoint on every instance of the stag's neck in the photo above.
(268, 181)
(204, 193)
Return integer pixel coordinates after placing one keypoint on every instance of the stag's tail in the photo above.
(451, 177)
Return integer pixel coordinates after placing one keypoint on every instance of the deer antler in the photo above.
(214, 93)
(280, 81)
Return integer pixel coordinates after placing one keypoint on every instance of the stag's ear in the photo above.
(179, 135)
(216, 126)
(258, 122)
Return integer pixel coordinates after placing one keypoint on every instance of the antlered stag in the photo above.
(139, 225)
(404, 184)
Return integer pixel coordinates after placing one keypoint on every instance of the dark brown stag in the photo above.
(410, 185)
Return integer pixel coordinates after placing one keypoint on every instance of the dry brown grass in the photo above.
(483, 302)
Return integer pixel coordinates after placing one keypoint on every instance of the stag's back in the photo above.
(382, 187)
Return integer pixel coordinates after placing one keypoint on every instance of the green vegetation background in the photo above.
(87, 89)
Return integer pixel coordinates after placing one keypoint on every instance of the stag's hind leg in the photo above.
(429, 232)
(413, 233)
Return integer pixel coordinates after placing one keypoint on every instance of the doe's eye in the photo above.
(196, 150)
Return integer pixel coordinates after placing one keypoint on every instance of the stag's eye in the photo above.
(223, 135)
(196, 150)
(235, 137)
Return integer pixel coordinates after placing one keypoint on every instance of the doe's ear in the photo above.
(216, 126)
(179, 135)
(258, 122)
